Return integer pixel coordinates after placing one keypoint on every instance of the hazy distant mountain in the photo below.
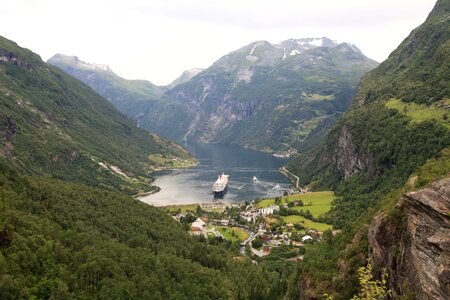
(132, 97)
(268, 96)
(184, 77)
(264, 96)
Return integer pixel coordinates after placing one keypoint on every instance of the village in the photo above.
(279, 226)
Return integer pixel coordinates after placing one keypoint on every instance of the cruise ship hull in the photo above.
(221, 193)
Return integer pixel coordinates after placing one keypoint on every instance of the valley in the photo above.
(298, 169)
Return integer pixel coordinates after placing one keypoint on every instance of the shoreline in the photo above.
(292, 177)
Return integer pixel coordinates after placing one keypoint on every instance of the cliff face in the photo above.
(347, 157)
(416, 248)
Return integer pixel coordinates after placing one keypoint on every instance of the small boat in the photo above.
(255, 179)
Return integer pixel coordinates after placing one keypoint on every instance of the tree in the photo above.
(371, 288)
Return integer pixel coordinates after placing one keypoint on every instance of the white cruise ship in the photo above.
(221, 185)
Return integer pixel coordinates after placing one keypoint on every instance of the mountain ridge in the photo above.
(239, 83)
(248, 96)
(52, 122)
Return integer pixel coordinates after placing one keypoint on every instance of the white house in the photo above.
(269, 210)
(306, 238)
(198, 225)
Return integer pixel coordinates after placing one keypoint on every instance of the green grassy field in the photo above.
(306, 223)
(184, 207)
(238, 236)
(419, 113)
(320, 202)
(316, 202)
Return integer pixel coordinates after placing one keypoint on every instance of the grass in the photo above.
(183, 207)
(306, 223)
(163, 161)
(320, 202)
(316, 202)
(419, 113)
(234, 234)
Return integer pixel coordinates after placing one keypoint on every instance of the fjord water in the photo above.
(195, 185)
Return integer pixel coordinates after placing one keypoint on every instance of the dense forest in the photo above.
(62, 240)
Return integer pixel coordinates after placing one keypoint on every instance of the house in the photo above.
(314, 233)
(306, 238)
(290, 225)
(224, 222)
(297, 244)
(268, 210)
(275, 242)
(198, 225)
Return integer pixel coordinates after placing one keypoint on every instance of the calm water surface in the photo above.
(195, 184)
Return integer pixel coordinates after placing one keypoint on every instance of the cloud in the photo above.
(158, 39)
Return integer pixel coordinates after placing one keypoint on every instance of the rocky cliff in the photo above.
(415, 248)
(348, 158)
(272, 97)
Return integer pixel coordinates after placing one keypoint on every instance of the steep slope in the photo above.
(416, 251)
(389, 147)
(60, 240)
(271, 97)
(131, 97)
(51, 123)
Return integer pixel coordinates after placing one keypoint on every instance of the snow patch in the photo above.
(316, 42)
(253, 49)
(251, 58)
(89, 66)
(284, 54)
(294, 52)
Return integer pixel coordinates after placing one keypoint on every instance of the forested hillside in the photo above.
(51, 123)
(62, 240)
(394, 139)
(68, 229)
(131, 97)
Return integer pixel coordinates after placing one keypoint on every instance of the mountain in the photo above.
(388, 160)
(184, 77)
(262, 96)
(51, 123)
(68, 229)
(270, 97)
(131, 97)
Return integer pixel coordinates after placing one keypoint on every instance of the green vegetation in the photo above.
(316, 202)
(395, 138)
(65, 240)
(282, 106)
(234, 234)
(164, 161)
(306, 223)
(131, 97)
(312, 206)
(182, 208)
(51, 123)
(421, 112)
(370, 287)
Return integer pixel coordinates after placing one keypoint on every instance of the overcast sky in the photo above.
(157, 40)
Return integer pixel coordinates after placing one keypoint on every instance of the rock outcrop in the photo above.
(347, 157)
(415, 246)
